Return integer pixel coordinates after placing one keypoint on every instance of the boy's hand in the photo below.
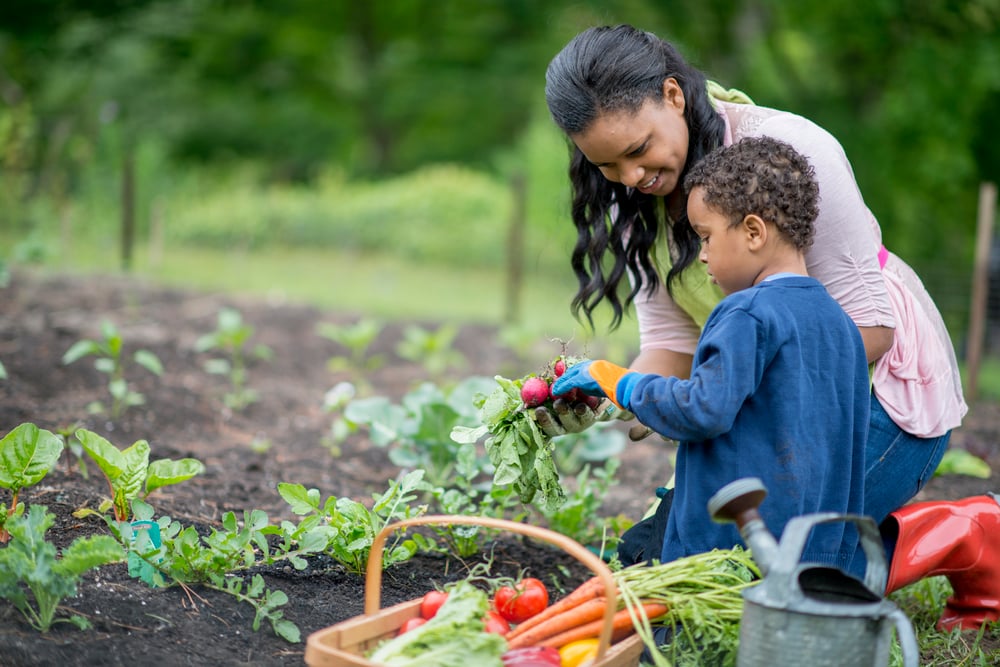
(594, 378)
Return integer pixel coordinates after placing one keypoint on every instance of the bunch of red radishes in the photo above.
(536, 389)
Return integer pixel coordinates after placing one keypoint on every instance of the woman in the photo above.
(639, 117)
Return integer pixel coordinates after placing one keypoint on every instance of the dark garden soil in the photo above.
(184, 416)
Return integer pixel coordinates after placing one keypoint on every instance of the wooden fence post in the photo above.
(128, 207)
(980, 286)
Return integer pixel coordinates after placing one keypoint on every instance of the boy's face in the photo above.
(725, 248)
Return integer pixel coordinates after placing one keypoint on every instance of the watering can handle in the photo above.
(907, 638)
(797, 530)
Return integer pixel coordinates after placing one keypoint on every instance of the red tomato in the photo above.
(496, 623)
(411, 623)
(431, 602)
(521, 601)
(531, 656)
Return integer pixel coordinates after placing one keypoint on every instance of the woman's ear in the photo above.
(673, 95)
(755, 230)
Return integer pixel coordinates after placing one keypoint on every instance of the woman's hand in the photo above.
(576, 417)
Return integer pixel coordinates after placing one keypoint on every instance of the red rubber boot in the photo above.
(960, 540)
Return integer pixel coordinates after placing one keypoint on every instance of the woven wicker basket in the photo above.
(346, 643)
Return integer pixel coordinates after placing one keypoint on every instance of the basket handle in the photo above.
(373, 574)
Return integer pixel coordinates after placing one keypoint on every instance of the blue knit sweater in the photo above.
(779, 390)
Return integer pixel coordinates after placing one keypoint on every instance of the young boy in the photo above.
(779, 386)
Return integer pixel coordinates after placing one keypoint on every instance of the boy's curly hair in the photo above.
(761, 176)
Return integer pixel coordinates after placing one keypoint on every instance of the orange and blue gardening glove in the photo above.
(598, 378)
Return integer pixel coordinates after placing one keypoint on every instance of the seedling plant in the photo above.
(417, 430)
(215, 560)
(108, 351)
(231, 337)
(357, 339)
(130, 474)
(35, 580)
(355, 525)
(27, 454)
(433, 350)
(72, 444)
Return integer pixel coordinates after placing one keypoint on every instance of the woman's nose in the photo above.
(632, 176)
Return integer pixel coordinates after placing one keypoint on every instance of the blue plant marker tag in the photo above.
(145, 537)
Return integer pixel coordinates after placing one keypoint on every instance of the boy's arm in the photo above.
(703, 406)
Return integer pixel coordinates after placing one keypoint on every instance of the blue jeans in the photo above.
(897, 464)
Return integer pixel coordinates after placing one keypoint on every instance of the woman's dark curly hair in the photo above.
(761, 176)
(618, 69)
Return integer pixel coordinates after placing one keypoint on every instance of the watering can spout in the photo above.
(738, 502)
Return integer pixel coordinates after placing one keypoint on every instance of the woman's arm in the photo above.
(663, 362)
(877, 341)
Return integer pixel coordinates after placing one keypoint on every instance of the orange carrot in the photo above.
(582, 613)
(621, 626)
(588, 590)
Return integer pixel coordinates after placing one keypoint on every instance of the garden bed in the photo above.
(281, 437)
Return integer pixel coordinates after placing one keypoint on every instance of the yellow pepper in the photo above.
(578, 653)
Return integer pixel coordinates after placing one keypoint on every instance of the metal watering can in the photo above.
(808, 613)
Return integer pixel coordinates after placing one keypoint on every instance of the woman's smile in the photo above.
(650, 185)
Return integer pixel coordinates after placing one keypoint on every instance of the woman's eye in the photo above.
(638, 151)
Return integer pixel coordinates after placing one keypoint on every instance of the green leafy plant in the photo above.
(417, 431)
(357, 339)
(355, 524)
(578, 517)
(521, 453)
(68, 435)
(960, 462)
(27, 454)
(573, 451)
(129, 472)
(215, 560)
(334, 401)
(431, 349)
(462, 496)
(29, 564)
(108, 351)
(3, 372)
(231, 337)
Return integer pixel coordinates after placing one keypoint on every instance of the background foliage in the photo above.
(398, 126)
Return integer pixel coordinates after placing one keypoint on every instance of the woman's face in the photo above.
(645, 150)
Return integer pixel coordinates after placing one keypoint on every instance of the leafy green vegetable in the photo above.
(29, 564)
(351, 526)
(185, 556)
(108, 351)
(127, 470)
(27, 454)
(520, 451)
(703, 595)
(961, 462)
(417, 430)
(231, 337)
(454, 637)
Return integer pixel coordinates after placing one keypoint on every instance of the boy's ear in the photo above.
(755, 230)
